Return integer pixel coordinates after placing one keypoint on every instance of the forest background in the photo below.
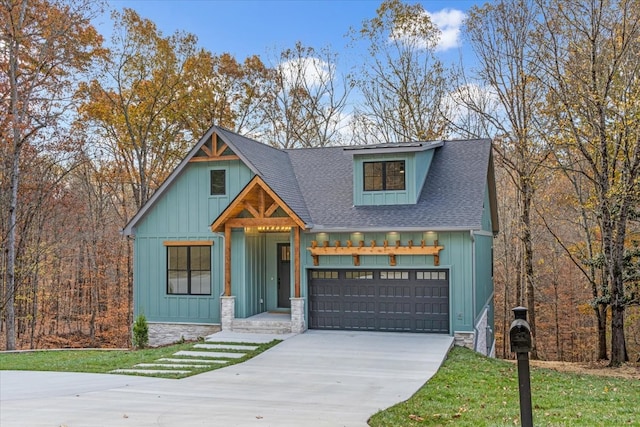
(90, 128)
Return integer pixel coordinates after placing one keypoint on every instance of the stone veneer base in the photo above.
(169, 333)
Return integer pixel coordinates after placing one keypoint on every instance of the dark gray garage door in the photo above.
(379, 300)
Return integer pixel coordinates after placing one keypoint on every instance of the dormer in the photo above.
(390, 174)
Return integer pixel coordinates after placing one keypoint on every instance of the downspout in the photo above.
(221, 236)
(473, 288)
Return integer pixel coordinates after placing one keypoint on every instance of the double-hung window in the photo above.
(384, 176)
(189, 270)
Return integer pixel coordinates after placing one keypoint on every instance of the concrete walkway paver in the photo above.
(226, 347)
(211, 354)
(319, 378)
(185, 360)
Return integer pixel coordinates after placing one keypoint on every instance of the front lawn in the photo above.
(105, 361)
(472, 390)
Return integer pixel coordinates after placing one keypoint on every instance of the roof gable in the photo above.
(129, 229)
(451, 198)
(260, 201)
(314, 186)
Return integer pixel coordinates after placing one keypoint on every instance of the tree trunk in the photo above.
(556, 318)
(9, 310)
(129, 286)
(601, 316)
(525, 220)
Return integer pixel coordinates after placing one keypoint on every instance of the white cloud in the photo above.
(465, 107)
(312, 72)
(449, 21)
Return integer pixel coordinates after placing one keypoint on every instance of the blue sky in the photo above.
(246, 27)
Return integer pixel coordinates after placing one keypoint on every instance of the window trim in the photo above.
(189, 245)
(383, 178)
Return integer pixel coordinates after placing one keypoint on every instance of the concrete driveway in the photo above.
(319, 378)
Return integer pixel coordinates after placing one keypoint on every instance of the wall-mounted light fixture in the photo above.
(267, 229)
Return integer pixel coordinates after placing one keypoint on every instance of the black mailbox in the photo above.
(520, 335)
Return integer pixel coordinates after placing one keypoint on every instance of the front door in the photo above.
(284, 275)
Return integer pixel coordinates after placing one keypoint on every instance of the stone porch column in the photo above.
(228, 312)
(297, 316)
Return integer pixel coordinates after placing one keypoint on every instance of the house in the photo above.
(389, 237)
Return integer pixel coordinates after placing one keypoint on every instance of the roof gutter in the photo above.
(329, 229)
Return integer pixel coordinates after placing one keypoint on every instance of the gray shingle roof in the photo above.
(452, 197)
(272, 165)
(317, 184)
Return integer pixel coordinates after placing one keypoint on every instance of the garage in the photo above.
(379, 300)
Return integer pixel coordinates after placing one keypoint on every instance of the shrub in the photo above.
(140, 332)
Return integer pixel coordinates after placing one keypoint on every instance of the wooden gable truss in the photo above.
(260, 203)
(214, 149)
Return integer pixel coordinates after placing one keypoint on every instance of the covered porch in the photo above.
(261, 263)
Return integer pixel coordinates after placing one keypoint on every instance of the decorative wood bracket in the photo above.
(213, 150)
(391, 251)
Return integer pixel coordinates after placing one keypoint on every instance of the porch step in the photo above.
(261, 326)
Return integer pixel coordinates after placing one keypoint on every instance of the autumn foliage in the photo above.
(90, 128)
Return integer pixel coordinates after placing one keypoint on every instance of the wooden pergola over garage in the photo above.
(255, 206)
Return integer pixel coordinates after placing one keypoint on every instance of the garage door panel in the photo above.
(395, 324)
(398, 291)
(358, 321)
(359, 307)
(394, 308)
(383, 300)
(359, 291)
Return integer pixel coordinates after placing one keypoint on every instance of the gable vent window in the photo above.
(381, 176)
(189, 270)
(218, 183)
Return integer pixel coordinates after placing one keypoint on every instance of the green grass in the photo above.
(472, 390)
(104, 361)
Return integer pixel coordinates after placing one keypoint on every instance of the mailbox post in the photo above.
(520, 336)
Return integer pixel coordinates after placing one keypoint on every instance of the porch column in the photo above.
(296, 261)
(297, 316)
(227, 312)
(297, 303)
(227, 260)
(227, 302)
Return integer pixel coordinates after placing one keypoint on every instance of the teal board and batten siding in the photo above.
(398, 197)
(456, 256)
(484, 276)
(150, 275)
(184, 213)
(423, 162)
(254, 271)
(486, 213)
(416, 168)
(254, 263)
(484, 264)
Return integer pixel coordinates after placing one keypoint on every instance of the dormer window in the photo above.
(384, 176)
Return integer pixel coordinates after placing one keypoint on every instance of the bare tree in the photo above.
(135, 105)
(43, 46)
(501, 36)
(224, 92)
(590, 58)
(305, 99)
(402, 84)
